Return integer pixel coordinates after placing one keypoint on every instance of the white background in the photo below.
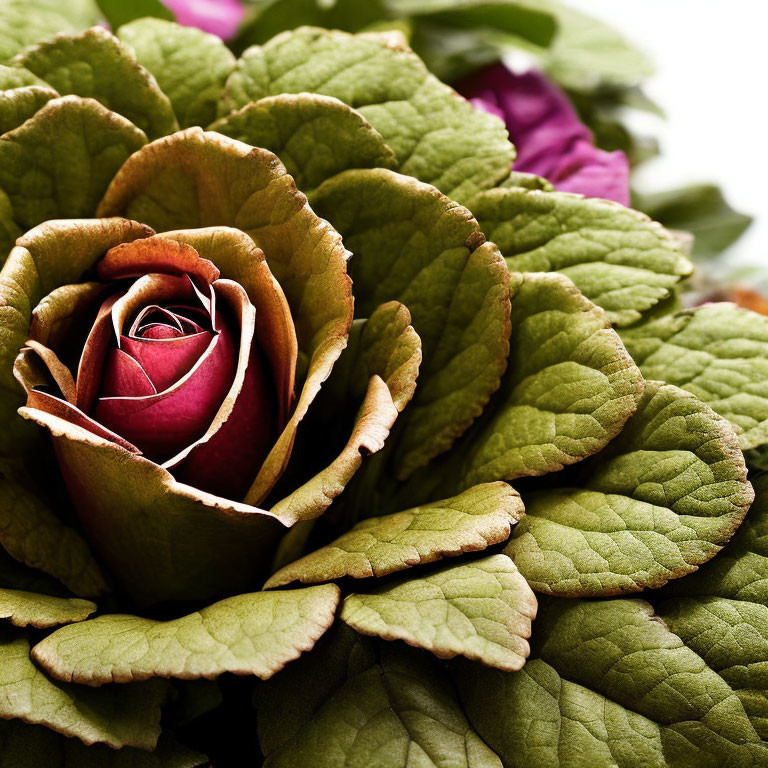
(711, 59)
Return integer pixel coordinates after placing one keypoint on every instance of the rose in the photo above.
(186, 366)
(520, 375)
(177, 368)
(551, 141)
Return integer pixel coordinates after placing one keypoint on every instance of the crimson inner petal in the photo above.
(164, 383)
(160, 331)
(166, 359)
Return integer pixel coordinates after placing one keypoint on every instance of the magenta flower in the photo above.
(220, 17)
(551, 141)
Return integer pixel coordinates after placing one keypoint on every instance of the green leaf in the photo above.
(415, 246)
(473, 520)
(502, 16)
(59, 163)
(526, 181)
(587, 52)
(82, 13)
(19, 104)
(659, 501)
(481, 610)
(24, 22)
(254, 634)
(722, 615)
(569, 388)
(9, 229)
(358, 703)
(16, 575)
(18, 77)
(95, 64)
(32, 746)
(190, 66)
(119, 12)
(275, 16)
(437, 136)
(115, 716)
(196, 179)
(40, 611)
(719, 352)
(388, 361)
(612, 685)
(32, 532)
(732, 638)
(617, 257)
(740, 571)
(315, 136)
(700, 209)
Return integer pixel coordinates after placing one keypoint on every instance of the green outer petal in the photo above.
(95, 64)
(163, 540)
(194, 179)
(415, 246)
(481, 610)
(662, 499)
(569, 388)
(19, 104)
(190, 66)
(609, 683)
(124, 717)
(59, 162)
(315, 136)
(617, 257)
(254, 634)
(389, 354)
(41, 611)
(437, 136)
(717, 351)
(378, 546)
(33, 746)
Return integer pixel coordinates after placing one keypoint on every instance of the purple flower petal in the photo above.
(551, 141)
(220, 17)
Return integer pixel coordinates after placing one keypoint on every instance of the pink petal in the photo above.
(107, 328)
(220, 17)
(124, 377)
(163, 424)
(229, 461)
(228, 458)
(551, 141)
(166, 360)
